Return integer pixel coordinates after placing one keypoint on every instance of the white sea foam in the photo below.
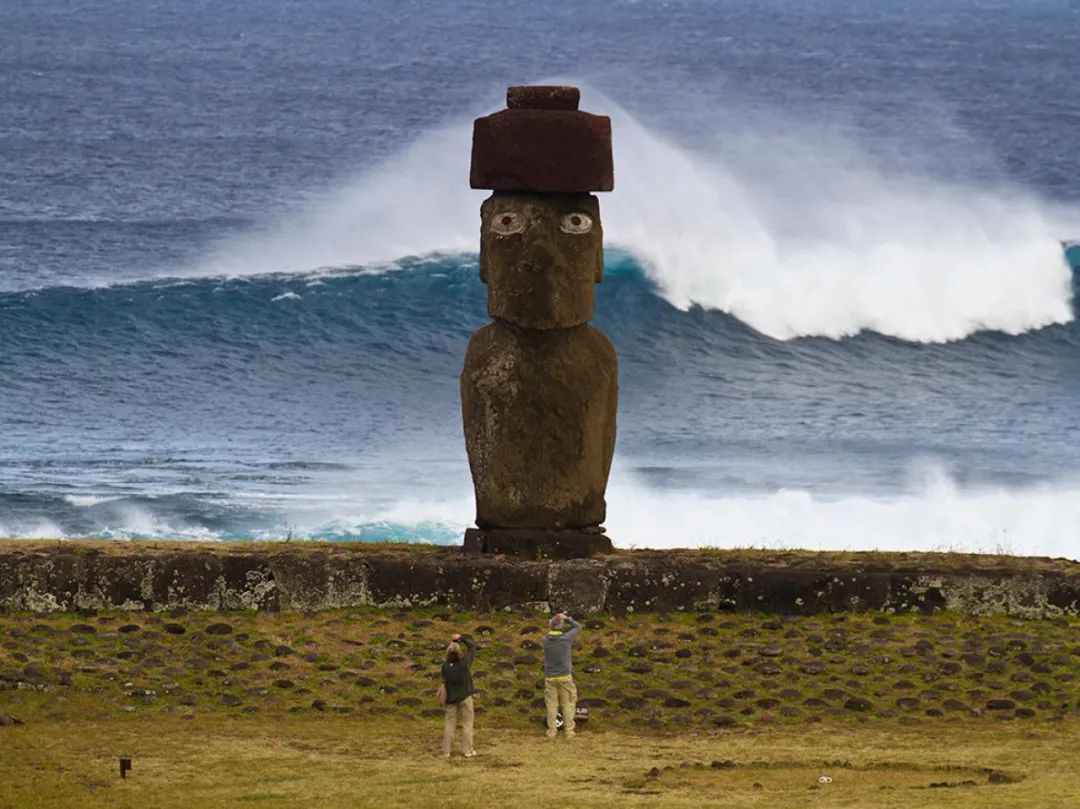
(85, 500)
(932, 513)
(791, 228)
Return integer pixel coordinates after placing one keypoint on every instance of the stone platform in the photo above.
(526, 543)
(42, 576)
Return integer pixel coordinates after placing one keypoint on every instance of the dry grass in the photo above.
(923, 563)
(336, 709)
(335, 761)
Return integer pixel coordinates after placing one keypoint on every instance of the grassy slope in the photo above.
(216, 708)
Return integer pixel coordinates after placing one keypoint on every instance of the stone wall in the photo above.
(45, 577)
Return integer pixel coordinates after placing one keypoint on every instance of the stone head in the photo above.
(540, 255)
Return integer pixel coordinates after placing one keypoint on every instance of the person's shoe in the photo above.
(470, 754)
(446, 755)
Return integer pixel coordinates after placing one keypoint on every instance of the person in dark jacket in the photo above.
(457, 678)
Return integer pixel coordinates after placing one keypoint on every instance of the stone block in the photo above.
(536, 544)
(544, 150)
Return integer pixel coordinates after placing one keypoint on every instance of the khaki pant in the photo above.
(458, 712)
(560, 696)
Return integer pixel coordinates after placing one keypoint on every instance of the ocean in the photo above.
(238, 266)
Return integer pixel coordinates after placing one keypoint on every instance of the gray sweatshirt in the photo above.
(557, 647)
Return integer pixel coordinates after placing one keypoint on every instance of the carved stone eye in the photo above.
(508, 223)
(576, 223)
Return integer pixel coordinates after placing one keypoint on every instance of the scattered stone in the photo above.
(219, 629)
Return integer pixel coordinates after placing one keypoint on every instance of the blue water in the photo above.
(238, 270)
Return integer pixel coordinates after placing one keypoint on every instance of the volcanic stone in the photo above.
(543, 150)
(539, 415)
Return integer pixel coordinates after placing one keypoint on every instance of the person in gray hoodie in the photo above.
(560, 693)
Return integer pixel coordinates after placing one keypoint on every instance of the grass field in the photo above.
(337, 761)
(337, 709)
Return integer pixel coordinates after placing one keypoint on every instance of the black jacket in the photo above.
(457, 676)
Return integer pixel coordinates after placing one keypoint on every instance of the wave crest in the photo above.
(795, 231)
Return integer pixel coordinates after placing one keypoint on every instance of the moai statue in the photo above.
(539, 388)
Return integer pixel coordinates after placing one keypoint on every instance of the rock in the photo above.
(283, 683)
(282, 651)
(858, 704)
(219, 629)
(530, 394)
(174, 629)
(542, 143)
(230, 701)
(127, 628)
(999, 704)
(6, 720)
(82, 629)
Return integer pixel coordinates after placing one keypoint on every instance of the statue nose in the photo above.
(536, 258)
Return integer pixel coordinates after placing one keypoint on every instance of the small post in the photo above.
(125, 765)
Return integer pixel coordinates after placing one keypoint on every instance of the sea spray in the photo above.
(796, 235)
